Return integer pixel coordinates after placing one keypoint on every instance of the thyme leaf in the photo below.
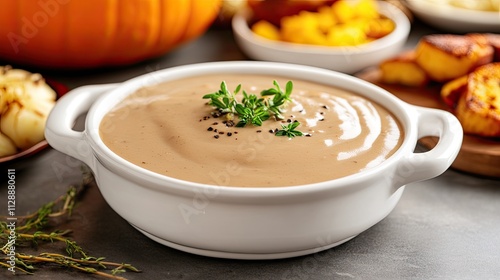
(223, 99)
(289, 130)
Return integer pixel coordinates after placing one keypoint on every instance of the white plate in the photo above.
(454, 19)
(241, 256)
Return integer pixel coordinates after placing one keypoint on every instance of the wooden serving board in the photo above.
(479, 156)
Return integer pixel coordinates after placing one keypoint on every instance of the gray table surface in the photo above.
(444, 228)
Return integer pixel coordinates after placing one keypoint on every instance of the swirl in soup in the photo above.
(169, 129)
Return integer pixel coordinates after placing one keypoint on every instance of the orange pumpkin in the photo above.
(92, 33)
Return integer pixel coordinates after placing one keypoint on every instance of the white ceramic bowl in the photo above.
(454, 19)
(343, 59)
(251, 223)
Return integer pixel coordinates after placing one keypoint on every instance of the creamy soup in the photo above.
(169, 129)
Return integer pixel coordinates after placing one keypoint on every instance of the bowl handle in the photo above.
(59, 131)
(422, 166)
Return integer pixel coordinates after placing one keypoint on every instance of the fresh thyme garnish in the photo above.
(289, 130)
(224, 100)
(253, 109)
(29, 232)
(251, 115)
(279, 98)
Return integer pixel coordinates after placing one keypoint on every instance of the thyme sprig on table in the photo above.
(253, 109)
(30, 232)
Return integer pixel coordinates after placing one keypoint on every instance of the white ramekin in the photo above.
(346, 59)
(251, 223)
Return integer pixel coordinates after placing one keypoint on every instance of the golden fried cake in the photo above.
(478, 107)
(446, 56)
(403, 70)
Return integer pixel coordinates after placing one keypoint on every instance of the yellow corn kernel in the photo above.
(359, 23)
(379, 28)
(308, 20)
(342, 11)
(315, 38)
(325, 19)
(301, 28)
(303, 36)
(346, 36)
(366, 9)
(266, 30)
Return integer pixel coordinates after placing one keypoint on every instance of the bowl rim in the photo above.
(402, 29)
(452, 13)
(126, 169)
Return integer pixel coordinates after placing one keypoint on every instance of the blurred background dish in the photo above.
(451, 16)
(60, 89)
(347, 59)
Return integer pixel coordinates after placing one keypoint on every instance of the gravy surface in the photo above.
(168, 129)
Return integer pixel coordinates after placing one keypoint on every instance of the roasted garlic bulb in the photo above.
(25, 102)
